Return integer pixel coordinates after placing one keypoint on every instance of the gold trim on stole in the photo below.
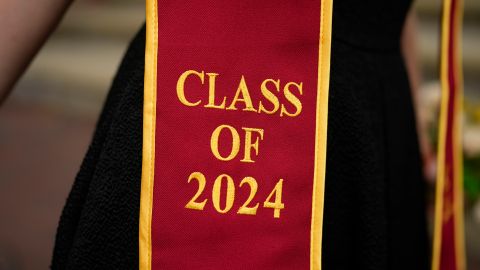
(321, 134)
(457, 135)
(148, 146)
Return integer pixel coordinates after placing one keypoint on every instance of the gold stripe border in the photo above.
(440, 183)
(459, 233)
(148, 150)
(457, 136)
(323, 82)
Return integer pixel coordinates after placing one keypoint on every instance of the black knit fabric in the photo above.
(98, 228)
(374, 199)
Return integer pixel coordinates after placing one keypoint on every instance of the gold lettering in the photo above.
(269, 96)
(181, 86)
(193, 204)
(248, 143)
(242, 89)
(220, 193)
(235, 142)
(245, 209)
(211, 93)
(230, 196)
(293, 99)
(277, 204)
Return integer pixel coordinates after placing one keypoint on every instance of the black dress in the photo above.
(374, 200)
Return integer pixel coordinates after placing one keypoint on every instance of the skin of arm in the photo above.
(24, 27)
(409, 52)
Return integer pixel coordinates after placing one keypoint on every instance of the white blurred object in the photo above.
(476, 212)
(430, 96)
(471, 140)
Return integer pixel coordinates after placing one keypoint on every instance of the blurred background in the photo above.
(48, 121)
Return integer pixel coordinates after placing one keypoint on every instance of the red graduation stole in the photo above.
(448, 242)
(235, 121)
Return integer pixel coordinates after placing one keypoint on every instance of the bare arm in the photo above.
(24, 27)
(409, 51)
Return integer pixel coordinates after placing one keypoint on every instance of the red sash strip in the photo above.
(448, 246)
(235, 125)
